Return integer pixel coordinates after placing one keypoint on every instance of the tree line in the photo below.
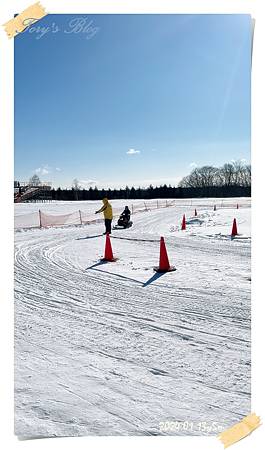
(230, 174)
(149, 193)
(230, 180)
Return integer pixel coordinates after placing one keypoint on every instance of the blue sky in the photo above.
(131, 99)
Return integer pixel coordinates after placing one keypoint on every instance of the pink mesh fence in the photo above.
(40, 219)
(31, 220)
(43, 220)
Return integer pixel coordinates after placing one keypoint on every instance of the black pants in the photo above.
(108, 225)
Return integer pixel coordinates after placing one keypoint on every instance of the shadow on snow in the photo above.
(153, 278)
(89, 237)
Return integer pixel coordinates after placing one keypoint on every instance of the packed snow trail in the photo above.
(116, 349)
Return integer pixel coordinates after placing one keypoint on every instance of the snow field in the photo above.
(115, 348)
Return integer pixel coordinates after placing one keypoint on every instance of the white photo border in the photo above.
(7, 10)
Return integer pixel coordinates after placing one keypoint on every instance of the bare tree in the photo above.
(239, 169)
(208, 176)
(76, 187)
(246, 176)
(227, 173)
(235, 174)
(184, 183)
(201, 177)
(230, 174)
(34, 180)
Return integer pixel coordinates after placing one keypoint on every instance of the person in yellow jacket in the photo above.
(108, 216)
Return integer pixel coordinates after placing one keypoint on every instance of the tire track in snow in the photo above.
(115, 326)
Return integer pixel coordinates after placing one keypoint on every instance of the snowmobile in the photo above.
(122, 223)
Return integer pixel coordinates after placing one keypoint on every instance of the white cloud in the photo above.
(86, 183)
(43, 170)
(192, 165)
(132, 151)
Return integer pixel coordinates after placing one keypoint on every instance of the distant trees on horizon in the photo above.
(230, 174)
(230, 180)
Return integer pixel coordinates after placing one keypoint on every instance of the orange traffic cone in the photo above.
(234, 229)
(108, 256)
(164, 265)
(214, 208)
(183, 225)
(195, 213)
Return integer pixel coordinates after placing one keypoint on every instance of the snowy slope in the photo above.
(116, 349)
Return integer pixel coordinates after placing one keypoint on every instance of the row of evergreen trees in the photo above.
(150, 192)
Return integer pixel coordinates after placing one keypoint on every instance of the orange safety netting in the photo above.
(40, 219)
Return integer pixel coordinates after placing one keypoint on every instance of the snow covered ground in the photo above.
(117, 349)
